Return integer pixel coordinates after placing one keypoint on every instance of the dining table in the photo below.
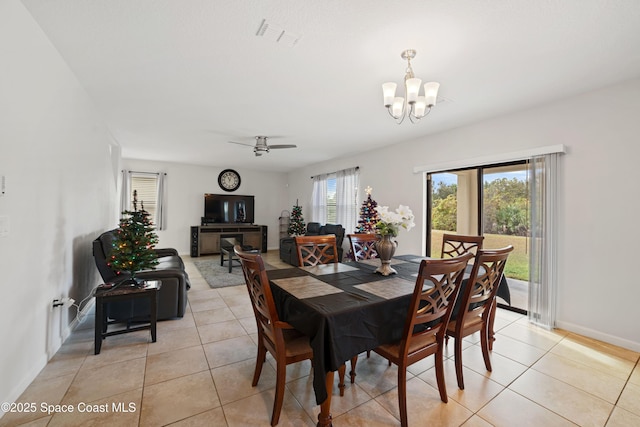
(346, 309)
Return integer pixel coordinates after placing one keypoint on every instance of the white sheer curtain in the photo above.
(161, 205)
(543, 172)
(319, 199)
(125, 193)
(346, 198)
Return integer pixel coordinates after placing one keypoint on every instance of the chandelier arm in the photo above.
(401, 118)
(398, 120)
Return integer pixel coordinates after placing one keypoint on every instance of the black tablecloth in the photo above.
(503, 290)
(348, 320)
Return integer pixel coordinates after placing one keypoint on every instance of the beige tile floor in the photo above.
(199, 373)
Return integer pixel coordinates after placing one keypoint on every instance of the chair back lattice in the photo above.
(314, 250)
(363, 246)
(434, 296)
(484, 280)
(264, 307)
(454, 245)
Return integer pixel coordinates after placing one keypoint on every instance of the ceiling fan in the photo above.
(261, 145)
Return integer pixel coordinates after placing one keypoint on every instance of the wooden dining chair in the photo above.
(363, 246)
(437, 287)
(322, 249)
(476, 307)
(285, 343)
(314, 250)
(457, 244)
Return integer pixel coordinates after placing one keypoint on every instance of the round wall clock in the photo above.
(229, 180)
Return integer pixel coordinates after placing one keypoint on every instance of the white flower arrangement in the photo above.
(390, 222)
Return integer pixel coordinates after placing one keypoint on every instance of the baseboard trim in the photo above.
(591, 333)
(17, 391)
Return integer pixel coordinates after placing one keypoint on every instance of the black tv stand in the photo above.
(205, 239)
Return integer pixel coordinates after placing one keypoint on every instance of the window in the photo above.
(492, 201)
(334, 198)
(144, 193)
(331, 200)
(149, 190)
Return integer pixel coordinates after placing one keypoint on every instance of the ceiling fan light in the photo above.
(388, 92)
(413, 89)
(431, 92)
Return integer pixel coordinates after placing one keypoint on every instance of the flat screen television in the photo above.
(228, 209)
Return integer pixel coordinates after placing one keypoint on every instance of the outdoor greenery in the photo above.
(518, 263)
(505, 207)
(505, 215)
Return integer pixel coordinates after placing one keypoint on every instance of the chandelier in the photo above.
(413, 105)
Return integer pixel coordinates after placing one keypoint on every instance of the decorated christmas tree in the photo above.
(297, 226)
(368, 215)
(132, 249)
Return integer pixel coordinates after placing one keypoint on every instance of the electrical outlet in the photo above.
(66, 302)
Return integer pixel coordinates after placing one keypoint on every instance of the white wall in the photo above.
(598, 295)
(187, 184)
(56, 156)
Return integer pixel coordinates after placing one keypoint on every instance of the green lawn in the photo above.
(518, 264)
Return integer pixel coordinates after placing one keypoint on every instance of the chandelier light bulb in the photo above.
(431, 92)
(397, 109)
(420, 107)
(389, 93)
(413, 89)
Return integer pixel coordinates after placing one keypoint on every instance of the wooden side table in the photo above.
(149, 289)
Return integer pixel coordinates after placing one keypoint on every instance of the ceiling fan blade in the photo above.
(241, 143)
(275, 147)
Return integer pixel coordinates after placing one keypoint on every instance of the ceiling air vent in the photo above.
(277, 34)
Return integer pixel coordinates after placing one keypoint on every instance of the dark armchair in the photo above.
(172, 297)
(288, 251)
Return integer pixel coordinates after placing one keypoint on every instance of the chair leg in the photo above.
(402, 395)
(442, 386)
(281, 372)
(492, 318)
(486, 345)
(458, 360)
(260, 359)
(341, 372)
(352, 373)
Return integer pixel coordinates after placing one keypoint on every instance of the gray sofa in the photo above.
(172, 297)
(288, 252)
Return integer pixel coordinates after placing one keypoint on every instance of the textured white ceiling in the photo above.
(176, 80)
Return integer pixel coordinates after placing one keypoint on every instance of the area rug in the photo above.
(218, 276)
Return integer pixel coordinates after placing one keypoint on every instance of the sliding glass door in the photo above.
(492, 201)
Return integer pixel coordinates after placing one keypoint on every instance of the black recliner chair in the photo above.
(172, 296)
